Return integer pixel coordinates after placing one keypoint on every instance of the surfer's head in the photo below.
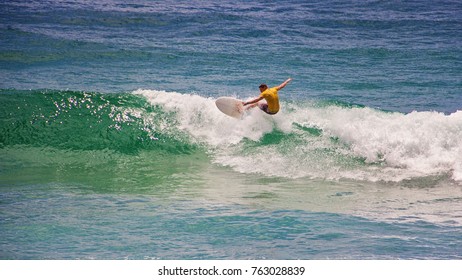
(263, 87)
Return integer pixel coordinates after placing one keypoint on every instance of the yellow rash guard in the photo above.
(272, 98)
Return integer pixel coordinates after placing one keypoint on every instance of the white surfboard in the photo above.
(230, 106)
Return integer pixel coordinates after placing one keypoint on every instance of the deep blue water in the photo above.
(111, 146)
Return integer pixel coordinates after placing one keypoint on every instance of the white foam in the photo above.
(394, 146)
(204, 122)
(420, 142)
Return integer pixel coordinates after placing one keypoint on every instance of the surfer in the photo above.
(271, 106)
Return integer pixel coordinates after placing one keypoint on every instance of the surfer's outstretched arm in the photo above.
(284, 83)
(252, 101)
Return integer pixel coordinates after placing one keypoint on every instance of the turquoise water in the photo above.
(111, 146)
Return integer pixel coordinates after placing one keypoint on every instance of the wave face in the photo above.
(85, 121)
(327, 140)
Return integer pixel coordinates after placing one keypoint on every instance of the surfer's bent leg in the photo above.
(264, 108)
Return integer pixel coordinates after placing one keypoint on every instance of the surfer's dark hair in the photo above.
(263, 86)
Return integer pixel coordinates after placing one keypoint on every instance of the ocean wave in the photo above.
(75, 120)
(322, 140)
(326, 140)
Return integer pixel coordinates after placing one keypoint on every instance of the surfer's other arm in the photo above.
(281, 86)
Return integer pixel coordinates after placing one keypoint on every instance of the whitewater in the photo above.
(322, 140)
